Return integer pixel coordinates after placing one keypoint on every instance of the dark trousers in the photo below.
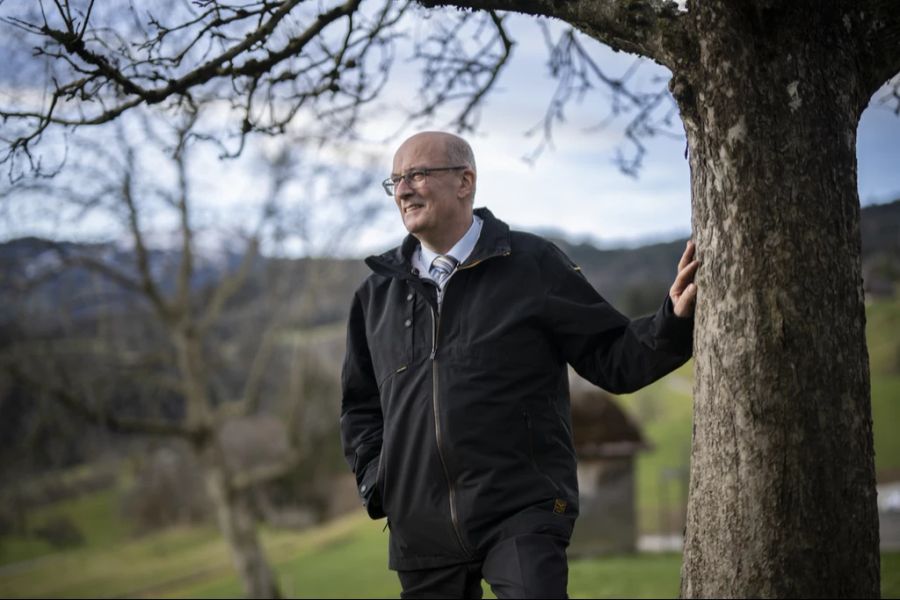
(531, 565)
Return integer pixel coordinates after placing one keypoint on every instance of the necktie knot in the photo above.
(442, 266)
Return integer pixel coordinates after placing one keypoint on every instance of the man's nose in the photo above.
(403, 189)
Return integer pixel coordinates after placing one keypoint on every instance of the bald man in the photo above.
(455, 413)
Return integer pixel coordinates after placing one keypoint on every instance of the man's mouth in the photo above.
(411, 207)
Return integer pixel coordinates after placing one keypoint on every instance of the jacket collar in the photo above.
(493, 241)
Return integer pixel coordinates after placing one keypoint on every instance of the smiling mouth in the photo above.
(411, 208)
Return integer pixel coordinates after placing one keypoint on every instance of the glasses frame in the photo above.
(390, 184)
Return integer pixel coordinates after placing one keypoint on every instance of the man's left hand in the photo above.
(684, 291)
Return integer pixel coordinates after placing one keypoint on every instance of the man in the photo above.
(455, 413)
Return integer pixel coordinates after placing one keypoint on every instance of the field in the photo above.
(348, 557)
(343, 559)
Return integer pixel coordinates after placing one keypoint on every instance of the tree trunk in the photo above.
(234, 514)
(782, 491)
(238, 525)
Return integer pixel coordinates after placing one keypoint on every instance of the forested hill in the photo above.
(634, 279)
(637, 279)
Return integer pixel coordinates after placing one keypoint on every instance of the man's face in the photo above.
(437, 202)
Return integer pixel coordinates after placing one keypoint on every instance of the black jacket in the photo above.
(457, 424)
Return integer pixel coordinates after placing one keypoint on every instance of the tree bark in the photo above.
(238, 525)
(782, 492)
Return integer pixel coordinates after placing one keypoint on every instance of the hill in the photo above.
(633, 279)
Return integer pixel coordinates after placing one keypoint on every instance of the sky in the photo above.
(574, 188)
(577, 189)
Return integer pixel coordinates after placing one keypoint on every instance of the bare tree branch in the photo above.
(115, 275)
(186, 268)
(248, 478)
(65, 395)
(452, 72)
(277, 58)
(645, 27)
(148, 285)
(228, 286)
(577, 74)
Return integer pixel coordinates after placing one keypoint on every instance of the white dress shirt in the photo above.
(423, 257)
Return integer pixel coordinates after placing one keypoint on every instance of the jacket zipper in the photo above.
(436, 325)
(454, 516)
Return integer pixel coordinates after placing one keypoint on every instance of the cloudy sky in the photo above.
(577, 188)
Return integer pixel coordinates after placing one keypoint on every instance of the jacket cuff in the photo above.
(366, 485)
(675, 330)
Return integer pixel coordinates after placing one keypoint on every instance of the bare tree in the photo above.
(200, 360)
(782, 498)
(269, 64)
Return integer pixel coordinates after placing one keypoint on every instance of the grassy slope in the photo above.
(96, 515)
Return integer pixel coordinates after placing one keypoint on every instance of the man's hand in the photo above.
(684, 291)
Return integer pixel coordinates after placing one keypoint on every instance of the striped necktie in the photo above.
(441, 268)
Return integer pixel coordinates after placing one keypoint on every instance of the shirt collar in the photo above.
(460, 251)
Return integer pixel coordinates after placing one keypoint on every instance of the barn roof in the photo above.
(601, 428)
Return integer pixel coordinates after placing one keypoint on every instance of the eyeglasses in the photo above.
(413, 178)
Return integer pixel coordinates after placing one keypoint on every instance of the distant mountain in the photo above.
(635, 280)
(880, 230)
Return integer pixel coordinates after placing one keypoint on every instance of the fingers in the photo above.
(685, 305)
(687, 256)
(684, 291)
(685, 276)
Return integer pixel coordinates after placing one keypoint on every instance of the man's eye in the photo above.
(416, 176)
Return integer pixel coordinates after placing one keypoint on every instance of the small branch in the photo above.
(148, 285)
(186, 267)
(578, 74)
(229, 286)
(262, 474)
(113, 274)
(102, 418)
(494, 72)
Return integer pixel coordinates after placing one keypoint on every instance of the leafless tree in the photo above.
(269, 64)
(194, 357)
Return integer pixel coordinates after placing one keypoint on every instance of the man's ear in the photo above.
(467, 187)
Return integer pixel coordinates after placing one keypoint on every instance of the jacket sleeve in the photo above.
(361, 418)
(602, 345)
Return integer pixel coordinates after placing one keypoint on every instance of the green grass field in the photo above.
(346, 558)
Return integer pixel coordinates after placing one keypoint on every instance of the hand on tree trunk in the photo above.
(684, 291)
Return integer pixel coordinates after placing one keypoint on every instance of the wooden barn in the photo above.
(607, 442)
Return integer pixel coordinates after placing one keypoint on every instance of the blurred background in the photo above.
(173, 303)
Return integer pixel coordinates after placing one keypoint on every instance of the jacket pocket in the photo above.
(379, 480)
(390, 374)
(535, 450)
